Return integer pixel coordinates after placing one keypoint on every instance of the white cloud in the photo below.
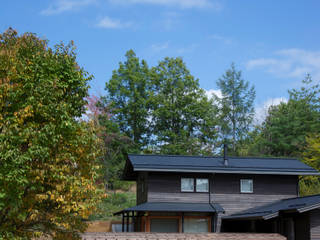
(108, 22)
(187, 49)
(292, 63)
(159, 47)
(174, 3)
(220, 38)
(212, 92)
(261, 111)
(60, 6)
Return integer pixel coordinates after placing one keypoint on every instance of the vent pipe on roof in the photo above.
(225, 153)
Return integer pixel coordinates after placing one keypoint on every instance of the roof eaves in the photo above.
(309, 208)
(273, 172)
(272, 215)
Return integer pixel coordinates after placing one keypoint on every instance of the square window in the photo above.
(202, 185)
(187, 184)
(246, 185)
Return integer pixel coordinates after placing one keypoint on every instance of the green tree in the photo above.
(128, 95)
(236, 108)
(116, 144)
(48, 157)
(183, 118)
(284, 131)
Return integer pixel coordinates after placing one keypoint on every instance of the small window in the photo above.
(187, 184)
(202, 185)
(246, 185)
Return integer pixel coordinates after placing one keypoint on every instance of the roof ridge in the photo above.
(218, 157)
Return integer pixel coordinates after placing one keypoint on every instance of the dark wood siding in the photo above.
(266, 189)
(165, 187)
(142, 188)
(315, 224)
(302, 226)
(224, 189)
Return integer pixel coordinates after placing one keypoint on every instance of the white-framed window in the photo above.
(187, 184)
(246, 185)
(202, 185)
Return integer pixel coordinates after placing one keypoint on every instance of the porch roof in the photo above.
(174, 207)
(299, 204)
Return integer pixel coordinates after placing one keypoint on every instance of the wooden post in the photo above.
(148, 224)
(290, 225)
(212, 224)
(252, 226)
(122, 222)
(182, 222)
(127, 221)
(133, 222)
(218, 223)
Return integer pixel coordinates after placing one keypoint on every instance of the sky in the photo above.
(274, 43)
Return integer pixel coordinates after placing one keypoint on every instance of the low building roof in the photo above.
(243, 165)
(299, 204)
(174, 207)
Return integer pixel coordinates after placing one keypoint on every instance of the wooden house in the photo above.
(221, 194)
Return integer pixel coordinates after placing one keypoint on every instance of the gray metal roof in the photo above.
(249, 165)
(299, 204)
(174, 207)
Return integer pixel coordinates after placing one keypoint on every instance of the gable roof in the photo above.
(299, 204)
(244, 165)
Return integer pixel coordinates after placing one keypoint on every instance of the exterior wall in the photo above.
(142, 187)
(315, 224)
(224, 189)
(165, 187)
(302, 226)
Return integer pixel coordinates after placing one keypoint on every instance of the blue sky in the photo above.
(274, 43)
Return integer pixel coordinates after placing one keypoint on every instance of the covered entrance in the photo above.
(172, 217)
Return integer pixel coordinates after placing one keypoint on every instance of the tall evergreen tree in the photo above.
(128, 95)
(236, 108)
(183, 118)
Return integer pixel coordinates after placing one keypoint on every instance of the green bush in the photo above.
(114, 202)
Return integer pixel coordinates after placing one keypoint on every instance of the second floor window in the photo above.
(246, 186)
(187, 185)
(202, 185)
(194, 185)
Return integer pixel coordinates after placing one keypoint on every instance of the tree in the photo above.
(183, 118)
(116, 144)
(284, 131)
(128, 95)
(236, 108)
(310, 184)
(48, 157)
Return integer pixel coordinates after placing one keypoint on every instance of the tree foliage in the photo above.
(183, 118)
(128, 95)
(116, 144)
(48, 158)
(284, 131)
(236, 108)
(310, 184)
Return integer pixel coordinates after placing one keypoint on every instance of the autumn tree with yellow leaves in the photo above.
(48, 157)
(311, 184)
